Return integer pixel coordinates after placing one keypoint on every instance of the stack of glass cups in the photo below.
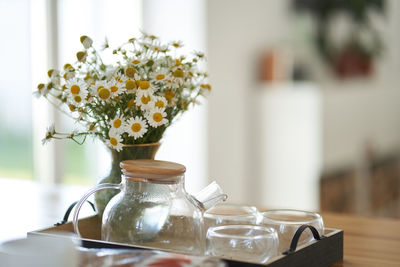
(232, 232)
(243, 233)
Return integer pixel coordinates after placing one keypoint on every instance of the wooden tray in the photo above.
(319, 253)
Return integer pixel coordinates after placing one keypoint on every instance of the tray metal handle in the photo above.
(68, 212)
(296, 237)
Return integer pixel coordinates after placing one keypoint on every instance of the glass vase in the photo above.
(140, 151)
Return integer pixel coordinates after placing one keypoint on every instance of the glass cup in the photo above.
(227, 214)
(242, 242)
(286, 223)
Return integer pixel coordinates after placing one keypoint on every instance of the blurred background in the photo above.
(304, 109)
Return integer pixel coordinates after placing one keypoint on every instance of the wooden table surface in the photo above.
(367, 241)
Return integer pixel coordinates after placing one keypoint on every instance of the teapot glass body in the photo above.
(158, 215)
(153, 208)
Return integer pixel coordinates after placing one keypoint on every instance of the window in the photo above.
(46, 35)
(15, 88)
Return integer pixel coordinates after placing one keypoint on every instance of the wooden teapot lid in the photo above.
(156, 170)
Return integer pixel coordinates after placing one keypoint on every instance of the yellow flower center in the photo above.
(159, 104)
(71, 107)
(206, 86)
(160, 76)
(169, 95)
(91, 127)
(136, 127)
(144, 85)
(50, 72)
(40, 86)
(130, 72)
(136, 62)
(179, 73)
(77, 99)
(104, 93)
(145, 99)
(117, 123)
(99, 88)
(157, 117)
(75, 89)
(114, 88)
(81, 56)
(113, 141)
(131, 103)
(129, 84)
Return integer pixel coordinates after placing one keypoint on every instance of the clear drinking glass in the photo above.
(226, 214)
(242, 242)
(286, 223)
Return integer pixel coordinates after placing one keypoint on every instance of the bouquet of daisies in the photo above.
(131, 100)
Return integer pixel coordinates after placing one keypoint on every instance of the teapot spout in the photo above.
(210, 195)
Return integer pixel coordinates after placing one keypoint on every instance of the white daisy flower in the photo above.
(86, 41)
(50, 132)
(170, 97)
(143, 99)
(54, 76)
(178, 76)
(157, 47)
(116, 88)
(159, 75)
(115, 141)
(199, 54)
(129, 84)
(117, 124)
(146, 86)
(136, 127)
(172, 83)
(137, 62)
(101, 89)
(132, 73)
(159, 102)
(75, 86)
(43, 90)
(69, 75)
(156, 117)
(92, 127)
(78, 99)
(177, 44)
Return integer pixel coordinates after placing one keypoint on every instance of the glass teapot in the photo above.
(153, 209)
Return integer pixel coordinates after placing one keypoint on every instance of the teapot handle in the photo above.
(85, 197)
